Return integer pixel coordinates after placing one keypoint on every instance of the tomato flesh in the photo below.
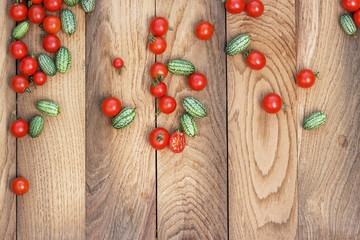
(177, 142)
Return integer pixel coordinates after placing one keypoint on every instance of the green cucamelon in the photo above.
(238, 45)
(20, 30)
(181, 67)
(314, 121)
(36, 126)
(194, 107)
(88, 5)
(347, 24)
(188, 125)
(71, 3)
(124, 118)
(63, 60)
(48, 108)
(47, 65)
(68, 21)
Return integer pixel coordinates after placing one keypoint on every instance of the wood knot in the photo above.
(342, 140)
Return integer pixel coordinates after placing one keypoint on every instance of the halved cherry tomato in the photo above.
(204, 30)
(159, 26)
(53, 5)
(19, 128)
(52, 24)
(28, 66)
(111, 107)
(20, 84)
(177, 142)
(20, 186)
(158, 90)
(157, 45)
(51, 43)
(36, 14)
(18, 12)
(39, 78)
(157, 70)
(167, 104)
(159, 138)
(272, 103)
(18, 50)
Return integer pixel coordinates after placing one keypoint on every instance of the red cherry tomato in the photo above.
(20, 186)
(305, 78)
(36, 14)
(204, 30)
(197, 81)
(167, 104)
(53, 5)
(18, 50)
(51, 43)
(254, 8)
(111, 107)
(351, 5)
(37, 1)
(159, 138)
(272, 103)
(256, 60)
(235, 6)
(118, 63)
(18, 12)
(39, 78)
(28, 66)
(19, 128)
(52, 24)
(159, 90)
(357, 18)
(157, 70)
(20, 84)
(177, 142)
(158, 45)
(159, 26)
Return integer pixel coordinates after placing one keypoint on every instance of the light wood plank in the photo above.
(54, 163)
(262, 147)
(192, 186)
(120, 170)
(7, 141)
(329, 163)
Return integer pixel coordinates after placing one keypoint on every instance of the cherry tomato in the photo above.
(235, 6)
(351, 5)
(158, 45)
(36, 14)
(111, 107)
(272, 103)
(305, 78)
(18, 50)
(254, 8)
(51, 43)
(159, 26)
(39, 78)
(53, 5)
(177, 142)
(197, 81)
(357, 18)
(19, 128)
(28, 66)
(18, 12)
(159, 90)
(20, 84)
(159, 138)
(167, 104)
(256, 60)
(204, 30)
(157, 70)
(118, 63)
(52, 24)
(37, 1)
(20, 186)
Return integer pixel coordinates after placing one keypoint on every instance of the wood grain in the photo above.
(262, 147)
(54, 163)
(192, 186)
(329, 158)
(7, 141)
(120, 170)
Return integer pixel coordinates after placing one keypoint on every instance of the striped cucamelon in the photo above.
(71, 3)
(238, 45)
(68, 22)
(188, 125)
(314, 121)
(20, 30)
(181, 67)
(194, 107)
(124, 118)
(36, 126)
(88, 5)
(63, 60)
(47, 65)
(48, 108)
(347, 24)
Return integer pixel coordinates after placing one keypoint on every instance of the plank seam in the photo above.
(227, 136)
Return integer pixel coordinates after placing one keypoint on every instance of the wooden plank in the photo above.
(7, 141)
(120, 171)
(192, 186)
(54, 163)
(262, 147)
(329, 164)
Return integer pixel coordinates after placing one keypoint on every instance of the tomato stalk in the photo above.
(317, 75)
(160, 137)
(152, 39)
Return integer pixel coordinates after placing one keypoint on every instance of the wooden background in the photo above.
(247, 175)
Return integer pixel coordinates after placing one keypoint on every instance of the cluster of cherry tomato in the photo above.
(254, 8)
(353, 6)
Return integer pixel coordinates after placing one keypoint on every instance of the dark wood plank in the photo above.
(263, 147)
(329, 163)
(120, 171)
